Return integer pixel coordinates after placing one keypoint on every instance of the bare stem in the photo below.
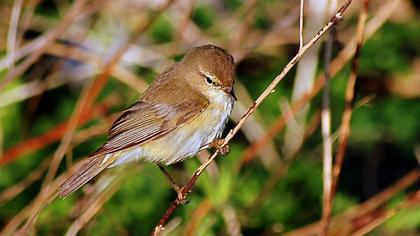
(338, 16)
(326, 131)
(345, 122)
(301, 42)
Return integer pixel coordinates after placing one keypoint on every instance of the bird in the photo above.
(184, 111)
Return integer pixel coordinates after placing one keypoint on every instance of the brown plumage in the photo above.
(175, 99)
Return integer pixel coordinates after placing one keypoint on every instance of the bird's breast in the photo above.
(190, 138)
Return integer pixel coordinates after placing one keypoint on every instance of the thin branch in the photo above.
(78, 10)
(12, 191)
(13, 31)
(85, 103)
(338, 16)
(326, 130)
(196, 217)
(98, 201)
(345, 122)
(335, 66)
(50, 136)
(301, 42)
(327, 141)
(361, 209)
(89, 93)
(30, 211)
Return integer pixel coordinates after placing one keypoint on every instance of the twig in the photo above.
(26, 19)
(84, 105)
(54, 134)
(376, 219)
(301, 42)
(13, 31)
(17, 188)
(338, 16)
(74, 13)
(335, 66)
(345, 122)
(30, 211)
(98, 201)
(305, 76)
(363, 208)
(202, 210)
(88, 95)
(326, 130)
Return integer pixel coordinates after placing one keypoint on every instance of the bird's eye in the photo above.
(209, 80)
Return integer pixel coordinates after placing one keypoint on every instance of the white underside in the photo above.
(187, 140)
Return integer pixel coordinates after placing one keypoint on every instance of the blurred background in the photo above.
(68, 68)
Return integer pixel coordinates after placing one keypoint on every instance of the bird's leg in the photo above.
(218, 144)
(179, 190)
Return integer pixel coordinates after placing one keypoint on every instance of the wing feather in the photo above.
(150, 118)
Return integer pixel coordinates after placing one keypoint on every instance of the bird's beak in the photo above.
(231, 92)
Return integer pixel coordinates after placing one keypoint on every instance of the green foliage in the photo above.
(204, 16)
(387, 128)
(391, 49)
(161, 31)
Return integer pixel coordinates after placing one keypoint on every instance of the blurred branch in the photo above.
(85, 103)
(253, 128)
(26, 19)
(41, 200)
(326, 128)
(345, 122)
(317, 12)
(88, 94)
(340, 223)
(52, 135)
(301, 42)
(278, 170)
(233, 227)
(79, 9)
(13, 31)
(376, 218)
(187, 188)
(17, 188)
(97, 200)
(197, 215)
(335, 66)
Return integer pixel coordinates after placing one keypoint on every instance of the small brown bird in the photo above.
(184, 111)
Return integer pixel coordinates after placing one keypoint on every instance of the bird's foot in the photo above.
(182, 195)
(223, 149)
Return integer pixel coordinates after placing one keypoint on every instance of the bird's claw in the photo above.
(182, 197)
(223, 149)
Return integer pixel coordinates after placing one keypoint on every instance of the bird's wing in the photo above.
(149, 119)
(143, 122)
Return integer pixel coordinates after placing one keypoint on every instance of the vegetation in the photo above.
(68, 68)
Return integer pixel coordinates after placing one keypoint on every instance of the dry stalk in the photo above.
(78, 10)
(334, 67)
(186, 189)
(12, 191)
(94, 206)
(90, 92)
(376, 219)
(301, 42)
(85, 103)
(363, 208)
(54, 134)
(345, 123)
(41, 200)
(326, 129)
(202, 210)
(13, 31)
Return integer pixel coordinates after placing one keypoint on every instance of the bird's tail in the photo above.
(92, 167)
